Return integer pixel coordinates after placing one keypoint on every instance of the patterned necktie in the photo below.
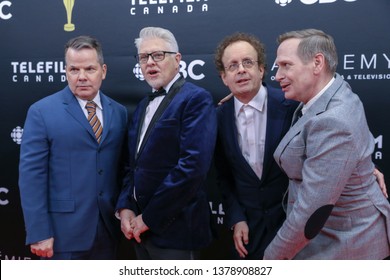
(93, 120)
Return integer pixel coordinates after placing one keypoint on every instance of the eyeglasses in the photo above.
(157, 56)
(246, 63)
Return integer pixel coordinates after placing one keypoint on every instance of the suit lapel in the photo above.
(175, 88)
(230, 125)
(107, 115)
(318, 107)
(72, 106)
(144, 103)
(232, 138)
(276, 121)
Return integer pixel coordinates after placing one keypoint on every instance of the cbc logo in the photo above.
(3, 202)
(190, 69)
(184, 69)
(16, 135)
(4, 10)
(308, 2)
(283, 2)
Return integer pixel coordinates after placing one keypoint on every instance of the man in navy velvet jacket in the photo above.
(171, 142)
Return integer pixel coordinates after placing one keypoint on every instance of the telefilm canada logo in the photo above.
(217, 212)
(5, 256)
(284, 3)
(38, 71)
(160, 7)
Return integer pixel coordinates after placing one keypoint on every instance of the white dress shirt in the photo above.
(99, 107)
(152, 108)
(318, 95)
(251, 122)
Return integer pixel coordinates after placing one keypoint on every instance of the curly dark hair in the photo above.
(236, 37)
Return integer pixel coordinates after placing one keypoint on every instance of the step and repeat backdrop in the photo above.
(33, 34)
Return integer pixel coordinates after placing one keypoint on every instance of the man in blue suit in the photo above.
(171, 144)
(250, 126)
(69, 161)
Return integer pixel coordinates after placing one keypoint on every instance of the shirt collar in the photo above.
(257, 102)
(97, 100)
(315, 98)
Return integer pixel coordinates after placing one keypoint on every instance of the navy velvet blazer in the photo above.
(170, 170)
(245, 196)
(65, 177)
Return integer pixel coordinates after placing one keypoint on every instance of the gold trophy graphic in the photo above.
(69, 26)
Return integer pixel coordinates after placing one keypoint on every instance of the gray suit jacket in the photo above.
(335, 207)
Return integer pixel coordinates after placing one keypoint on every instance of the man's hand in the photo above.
(43, 248)
(226, 98)
(127, 216)
(241, 238)
(381, 181)
(139, 227)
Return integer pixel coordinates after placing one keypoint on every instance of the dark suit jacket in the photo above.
(245, 196)
(170, 170)
(65, 177)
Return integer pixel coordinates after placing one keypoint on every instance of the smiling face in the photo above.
(244, 83)
(159, 74)
(297, 79)
(84, 72)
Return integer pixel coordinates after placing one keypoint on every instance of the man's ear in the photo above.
(319, 62)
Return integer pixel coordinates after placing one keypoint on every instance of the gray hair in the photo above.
(160, 33)
(85, 42)
(314, 41)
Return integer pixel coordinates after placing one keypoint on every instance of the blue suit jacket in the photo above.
(65, 177)
(170, 171)
(245, 196)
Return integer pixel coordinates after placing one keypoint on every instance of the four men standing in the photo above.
(72, 148)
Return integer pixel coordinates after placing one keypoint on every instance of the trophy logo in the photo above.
(69, 26)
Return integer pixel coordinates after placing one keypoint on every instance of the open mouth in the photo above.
(284, 86)
(242, 81)
(152, 72)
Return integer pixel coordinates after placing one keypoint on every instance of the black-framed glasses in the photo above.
(157, 56)
(246, 63)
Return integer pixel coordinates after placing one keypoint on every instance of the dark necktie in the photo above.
(156, 93)
(94, 120)
(297, 116)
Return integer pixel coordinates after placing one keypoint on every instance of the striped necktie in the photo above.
(93, 120)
